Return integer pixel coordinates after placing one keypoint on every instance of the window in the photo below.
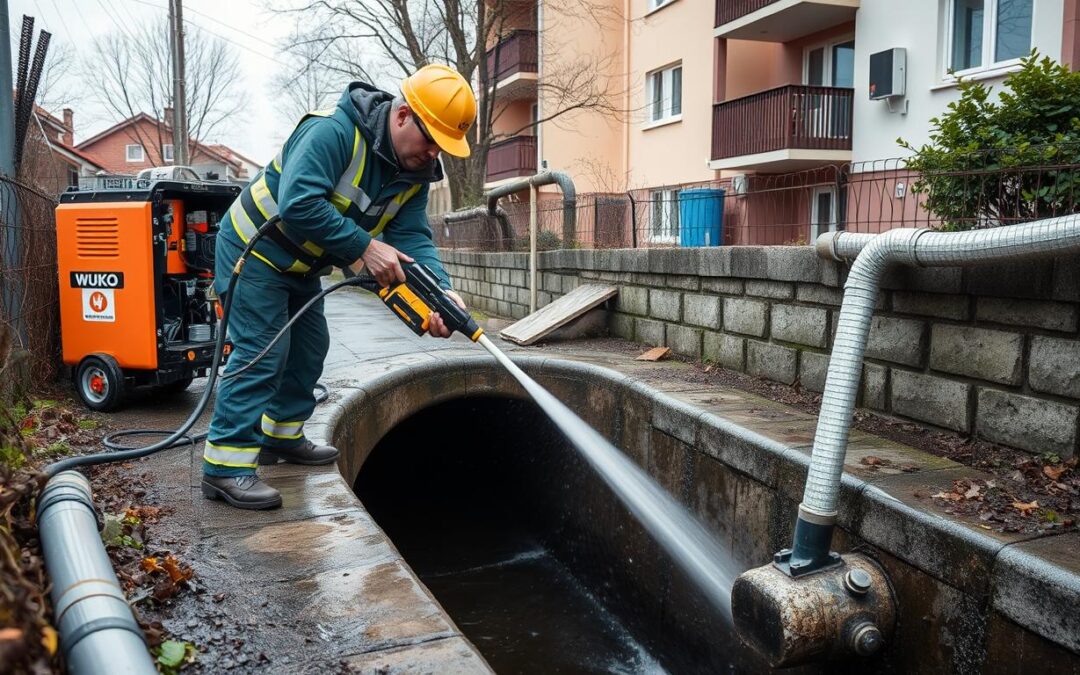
(985, 33)
(657, 4)
(822, 212)
(167, 152)
(135, 153)
(73, 177)
(664, 216)
(664, 92)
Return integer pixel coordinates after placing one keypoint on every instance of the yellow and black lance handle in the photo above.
(418, 298)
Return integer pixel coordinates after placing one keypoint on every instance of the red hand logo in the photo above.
(98, 302)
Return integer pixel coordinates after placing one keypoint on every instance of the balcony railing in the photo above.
(516, 53)
(729, 10)
(785, 118)
(512, 158)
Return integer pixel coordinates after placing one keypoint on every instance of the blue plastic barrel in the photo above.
(701, 216)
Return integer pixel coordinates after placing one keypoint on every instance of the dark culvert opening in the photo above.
(533, 557)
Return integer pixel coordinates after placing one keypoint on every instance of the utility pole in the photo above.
(7, 102)
(176, 48)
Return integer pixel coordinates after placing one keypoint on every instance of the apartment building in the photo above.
(743, 90)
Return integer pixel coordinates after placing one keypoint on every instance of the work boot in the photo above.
(243, 492)
(305, 453)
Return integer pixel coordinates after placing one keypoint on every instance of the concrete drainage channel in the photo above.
(525, 548)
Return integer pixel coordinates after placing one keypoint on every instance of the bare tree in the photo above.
(382, 41)
(306, 86)
(130, 72)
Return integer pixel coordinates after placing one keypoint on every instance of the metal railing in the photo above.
(516, 53)
(788, 117)
(978, 190)
(729, 10)
(512, 158)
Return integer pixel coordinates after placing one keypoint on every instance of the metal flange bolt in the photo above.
(858, 581)
(866, 639)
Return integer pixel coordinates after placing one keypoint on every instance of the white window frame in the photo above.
(654, 5)
(167, 152)
(815, 228)
(129, 157)
(827, 64)
(667, 76)
(534, 115)
(989, 41)
(664, 216)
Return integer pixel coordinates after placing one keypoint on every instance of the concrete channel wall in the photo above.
(970, 600)
(992, 351)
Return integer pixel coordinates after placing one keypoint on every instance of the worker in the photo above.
(351, 188)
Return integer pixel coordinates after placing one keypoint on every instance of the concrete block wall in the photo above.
(993, 352)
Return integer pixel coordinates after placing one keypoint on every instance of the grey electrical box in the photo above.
(887, 71)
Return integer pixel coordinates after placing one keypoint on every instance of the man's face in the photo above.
(413, 145)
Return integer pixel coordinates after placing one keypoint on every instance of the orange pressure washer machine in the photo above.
(136, 268)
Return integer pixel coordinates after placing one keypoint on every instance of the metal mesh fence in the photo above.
(978, 189)
(29, 305)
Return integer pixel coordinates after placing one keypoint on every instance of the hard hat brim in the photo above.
(458, 147)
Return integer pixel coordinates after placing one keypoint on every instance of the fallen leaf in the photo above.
(151, 565)
(1054, 472)
(869, 460)
(172, 653)
(973, 493)
(49, 639)
(176, 572)
(1024, 508)
(909, 468)
(951, 496)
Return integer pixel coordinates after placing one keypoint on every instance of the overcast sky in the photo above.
(244, 23)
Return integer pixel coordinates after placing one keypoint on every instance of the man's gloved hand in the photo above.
(383, 262)
(437, 328)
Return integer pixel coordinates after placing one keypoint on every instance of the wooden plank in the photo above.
(655, 354)
(558, 313)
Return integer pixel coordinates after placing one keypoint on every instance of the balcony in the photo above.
(512, 64)
(780, 20)
(784, 129)
(513, 158)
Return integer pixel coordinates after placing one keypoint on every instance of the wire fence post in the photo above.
(532, 248)
(633, 219)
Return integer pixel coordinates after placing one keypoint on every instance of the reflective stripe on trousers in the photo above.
(282, 430)
(224, 455)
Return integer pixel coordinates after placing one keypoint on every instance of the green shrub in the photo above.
(993, 162)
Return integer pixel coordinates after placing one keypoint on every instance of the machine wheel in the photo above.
(100, 382)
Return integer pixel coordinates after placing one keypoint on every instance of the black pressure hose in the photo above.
(180, 435)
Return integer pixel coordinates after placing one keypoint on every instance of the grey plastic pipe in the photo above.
(873, 254)
(481, 212)
(566, 185)
(98, 634)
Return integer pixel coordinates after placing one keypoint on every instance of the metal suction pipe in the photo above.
(776, 604)
(873, 255)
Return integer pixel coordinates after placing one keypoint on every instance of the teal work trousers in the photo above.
(268, 404)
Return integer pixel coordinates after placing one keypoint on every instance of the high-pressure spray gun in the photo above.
(420, 295)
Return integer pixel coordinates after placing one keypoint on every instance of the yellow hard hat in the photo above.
(444, 101)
